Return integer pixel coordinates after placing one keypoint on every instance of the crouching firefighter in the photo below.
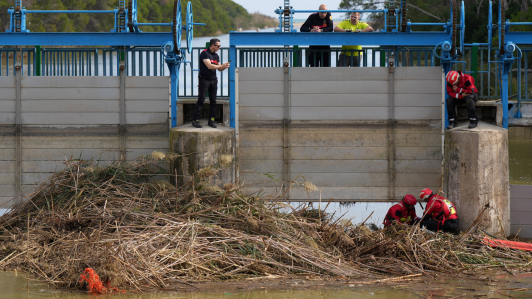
(461, 90)
(402, 212)
(440, 213)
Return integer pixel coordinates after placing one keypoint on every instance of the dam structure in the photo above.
(360, 134)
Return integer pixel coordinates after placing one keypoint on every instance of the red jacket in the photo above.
(440, 208)
(466, 84)
(398, 212)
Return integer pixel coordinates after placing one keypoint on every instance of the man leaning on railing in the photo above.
(319, 22)
(350, 55)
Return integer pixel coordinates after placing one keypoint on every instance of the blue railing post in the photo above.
(504, 99)
(504, 92)
(173, 92)
(446, 68)
(232, 86)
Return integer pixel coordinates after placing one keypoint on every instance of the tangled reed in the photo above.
(136, 229)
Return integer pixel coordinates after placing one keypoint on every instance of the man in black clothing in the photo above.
(319, 22)
(209, 63)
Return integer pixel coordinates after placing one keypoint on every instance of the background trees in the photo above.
(220, 16)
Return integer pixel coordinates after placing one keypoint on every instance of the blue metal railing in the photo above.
(9, 58)
(69, 62)
(150, 62)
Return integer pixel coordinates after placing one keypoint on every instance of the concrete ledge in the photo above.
(524, 121)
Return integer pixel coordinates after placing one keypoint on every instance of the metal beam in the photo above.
(18, 131)
(232, 87)
(519, 38)
(391, 128)
(85, 39)
(122, 125)
(338, 38)
(286, 129)
(70, 11)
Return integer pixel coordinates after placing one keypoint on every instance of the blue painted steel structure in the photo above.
(85, 39)
(508, 42)
(398, 37)
(124, 35)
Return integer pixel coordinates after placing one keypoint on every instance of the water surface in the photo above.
(16, 286)
(520, 155)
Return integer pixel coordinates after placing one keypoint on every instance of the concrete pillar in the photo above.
(476, 174)
(200, 148)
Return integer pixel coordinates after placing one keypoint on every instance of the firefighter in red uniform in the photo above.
(461, 90)
(440, 213)
(319, 22)
(402, 212)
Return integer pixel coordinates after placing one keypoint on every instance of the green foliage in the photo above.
(220, 16)
(522, 16)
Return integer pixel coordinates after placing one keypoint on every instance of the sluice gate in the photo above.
(45, 121)
(358, 134)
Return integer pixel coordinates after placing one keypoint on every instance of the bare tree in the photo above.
(479, 5)
(524, 5)
(426, 12)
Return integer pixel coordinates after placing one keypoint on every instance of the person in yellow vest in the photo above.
(350, 55)
(440, 213)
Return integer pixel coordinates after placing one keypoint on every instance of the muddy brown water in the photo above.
(519, 286)
(520, 155)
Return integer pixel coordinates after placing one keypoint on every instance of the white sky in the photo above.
(267, 7)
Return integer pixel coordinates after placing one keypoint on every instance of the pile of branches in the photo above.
(402, 249)
(134, 228)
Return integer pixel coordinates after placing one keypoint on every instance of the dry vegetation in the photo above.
(134, 229)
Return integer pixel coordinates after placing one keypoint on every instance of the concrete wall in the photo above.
(520, 210)
(337, 136)
(477, 175)
(76, 117)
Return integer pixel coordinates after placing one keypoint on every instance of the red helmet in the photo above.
(425, 194)
(410, 200)
(452, 77)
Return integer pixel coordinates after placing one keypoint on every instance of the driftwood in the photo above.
(136, 229)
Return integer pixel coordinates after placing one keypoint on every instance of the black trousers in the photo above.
(345, 60)
(469, 101)
(448, 226)
(211, 86)
(319, 56)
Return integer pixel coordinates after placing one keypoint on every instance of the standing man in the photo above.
(350, 55)
(209, 63)
(440, 213)
(402, 212)
(319, 22)
(461, 90)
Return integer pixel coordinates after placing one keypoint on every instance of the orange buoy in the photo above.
(94, 284)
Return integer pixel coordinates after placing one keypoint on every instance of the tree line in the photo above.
(220, 16)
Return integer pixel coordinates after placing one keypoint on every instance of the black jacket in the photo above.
(314, 20)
